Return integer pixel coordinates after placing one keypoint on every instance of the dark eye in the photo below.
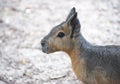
(60, 34)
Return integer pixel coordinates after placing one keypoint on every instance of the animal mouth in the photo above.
(45, 50)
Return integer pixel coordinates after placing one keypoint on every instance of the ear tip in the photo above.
(74, 9)
(72, 13)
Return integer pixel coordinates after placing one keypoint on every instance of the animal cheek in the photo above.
(52, 44)
(68, 45)
(57, 44)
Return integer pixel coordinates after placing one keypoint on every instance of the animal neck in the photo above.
(80, 45)
(78, 62)
(83, 43)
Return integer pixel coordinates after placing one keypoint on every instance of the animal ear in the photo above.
(73, 23)
(72, 11)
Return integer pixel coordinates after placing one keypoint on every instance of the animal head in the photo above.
(63, 36)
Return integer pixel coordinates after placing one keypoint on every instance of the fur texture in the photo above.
(91, 64)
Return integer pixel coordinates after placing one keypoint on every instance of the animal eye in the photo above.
(60, 34)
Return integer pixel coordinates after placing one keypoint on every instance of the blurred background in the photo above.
(23, 23)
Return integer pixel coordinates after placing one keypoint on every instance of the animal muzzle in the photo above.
(44, 46)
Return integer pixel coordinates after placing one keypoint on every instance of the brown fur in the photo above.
(80, 70)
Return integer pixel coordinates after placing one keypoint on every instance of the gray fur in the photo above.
(105, 57)
(70, 14)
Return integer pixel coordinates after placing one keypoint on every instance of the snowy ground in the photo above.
(23, 23)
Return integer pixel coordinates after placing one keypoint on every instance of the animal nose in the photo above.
(43, 43)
